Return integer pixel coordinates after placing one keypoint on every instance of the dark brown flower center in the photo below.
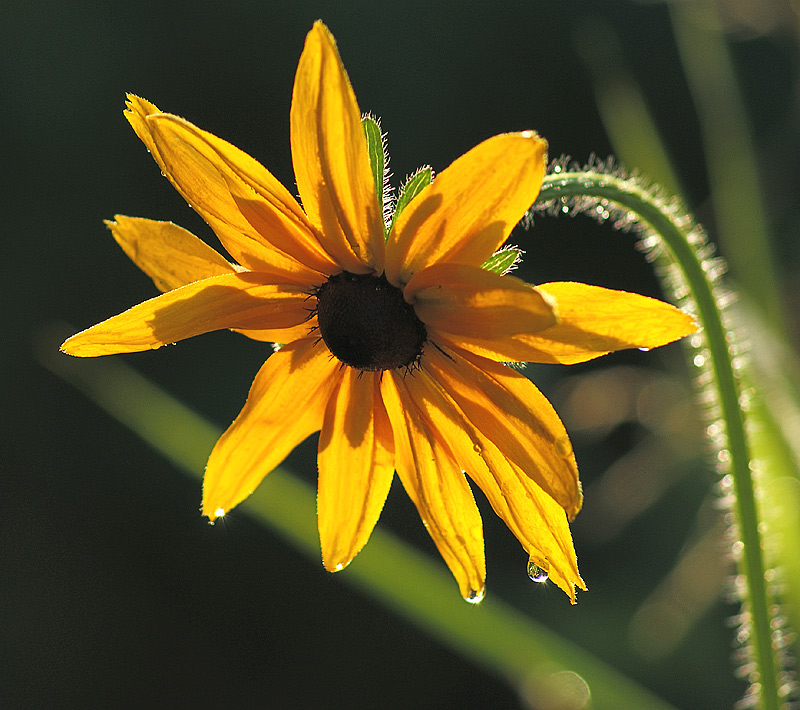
(367, 324)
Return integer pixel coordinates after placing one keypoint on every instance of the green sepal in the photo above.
(412, 187)
(501, 262)
(376, 148)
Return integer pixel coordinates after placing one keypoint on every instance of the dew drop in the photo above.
(219, 512)
(477, 448)
(339, 567)
(474, 597)
(536, 573)
(644, 350)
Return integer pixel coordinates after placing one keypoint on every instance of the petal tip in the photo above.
(532, 136)
(212, 509)
(332, 566)
(321, 29)
(475, 596)
(137, 105)
(215, 515)
(72, 346)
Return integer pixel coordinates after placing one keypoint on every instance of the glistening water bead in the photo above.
(536, 573)
(367, 324)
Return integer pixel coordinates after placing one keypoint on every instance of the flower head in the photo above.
(395, 347)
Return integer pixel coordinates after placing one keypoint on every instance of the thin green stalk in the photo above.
(578, 191)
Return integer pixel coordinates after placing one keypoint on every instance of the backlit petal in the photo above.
(174, 257)
(356, 467)
(220, 180)
(508, 409)
(330, 158)
(215, 205)
(470, 301)
(286, 404)
(438, 488)
(237, 300)
(281, 335)
(538, 522)
(469, 210)
(593, 321)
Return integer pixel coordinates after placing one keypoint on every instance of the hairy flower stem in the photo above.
(615, 196)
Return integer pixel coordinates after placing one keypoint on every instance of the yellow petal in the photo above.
(593, 321)
(285, 405)
(329, 154)
(508, 409)
(137, 110)
(281, 335)
(167, 253)
(438, 488)
(238, 300)
(216, 206)
(537, 521)
(224, 182)
(356, 467)
(470, 301)
(174, 257)
(469, 210)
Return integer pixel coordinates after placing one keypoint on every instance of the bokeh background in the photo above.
(114, 591)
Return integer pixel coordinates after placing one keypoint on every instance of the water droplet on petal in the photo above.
(645, 350)
(218, 513)
(477, 448)
(475, 597)
(536, 573)
(339, 567)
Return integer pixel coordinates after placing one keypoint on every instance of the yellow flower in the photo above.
(395, 349)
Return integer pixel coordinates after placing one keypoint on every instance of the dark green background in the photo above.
(114, 591)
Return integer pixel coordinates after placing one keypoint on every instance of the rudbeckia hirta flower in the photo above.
(394, 347)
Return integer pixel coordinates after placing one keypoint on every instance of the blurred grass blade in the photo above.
(622, 106)
(771, 378)
(732, 167)
(530, 657)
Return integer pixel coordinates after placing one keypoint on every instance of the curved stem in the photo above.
(674, 229)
